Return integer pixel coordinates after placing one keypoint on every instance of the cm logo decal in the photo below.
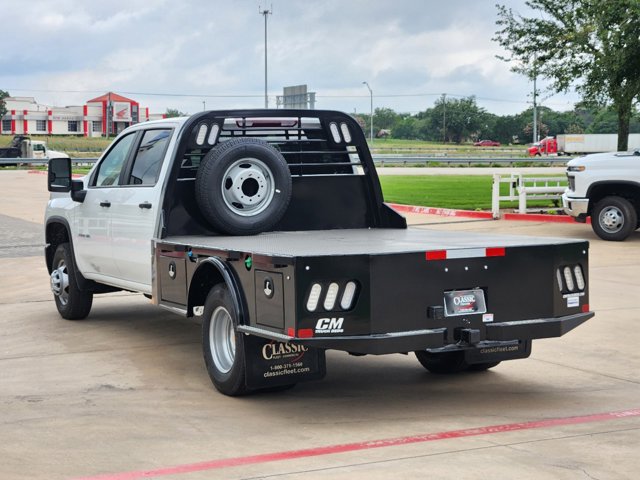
(329, 325)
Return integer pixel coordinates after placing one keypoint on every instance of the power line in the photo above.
(240, 95)
(149, 94)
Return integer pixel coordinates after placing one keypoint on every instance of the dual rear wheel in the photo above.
(450, 362)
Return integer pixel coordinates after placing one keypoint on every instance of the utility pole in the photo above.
(371, 116)
(264, 13)
(444, 118)
(109, 116)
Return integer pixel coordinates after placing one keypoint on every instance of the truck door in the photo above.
(136, 206)
(92, 218)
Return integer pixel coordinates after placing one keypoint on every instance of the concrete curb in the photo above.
(448, 212)
(444, 212)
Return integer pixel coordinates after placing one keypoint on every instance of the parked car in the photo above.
(486, 143)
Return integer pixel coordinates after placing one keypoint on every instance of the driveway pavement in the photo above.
(125, 393)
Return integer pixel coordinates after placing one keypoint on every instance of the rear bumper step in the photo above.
(401, 342)
(376, 344)
(537, 328)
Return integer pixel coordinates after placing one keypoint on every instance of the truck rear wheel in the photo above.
(243, 186)
(614, 218)
(71, 302)
(222, 346)
(450, 362)
(442, 363)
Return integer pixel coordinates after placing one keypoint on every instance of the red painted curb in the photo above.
(445, 212)
(449, 212)
(358, 446)
(540, 217)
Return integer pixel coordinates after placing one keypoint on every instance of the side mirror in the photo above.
(78, 193)
(59, 175)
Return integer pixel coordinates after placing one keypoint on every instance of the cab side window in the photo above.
(146, 166)
(111, 166)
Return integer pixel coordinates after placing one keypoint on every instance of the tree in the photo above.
(385, 118)
(458, 117)
(174, 112)
(3, 105)
(593, 45)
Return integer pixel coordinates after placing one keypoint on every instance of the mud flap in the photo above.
(270, 363)
(490, 352)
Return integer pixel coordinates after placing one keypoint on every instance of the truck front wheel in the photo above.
(614, 218)
(222, 346)
(71, 302)
(450, 362)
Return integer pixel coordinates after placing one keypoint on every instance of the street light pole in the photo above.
(264, 13)
(535, 103)
(371, 116)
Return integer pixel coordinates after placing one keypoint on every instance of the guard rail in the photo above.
(380, 159)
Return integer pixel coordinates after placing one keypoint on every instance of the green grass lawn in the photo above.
(79, 146)
(465, 192)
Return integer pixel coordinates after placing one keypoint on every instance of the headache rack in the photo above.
(334, 180)
(312, 142)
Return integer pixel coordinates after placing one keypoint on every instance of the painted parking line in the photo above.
(357, 446)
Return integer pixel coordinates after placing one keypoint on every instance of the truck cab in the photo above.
(546, 146)
(39, 149)
(606, 188)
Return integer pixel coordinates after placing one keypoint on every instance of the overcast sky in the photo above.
(179, 53)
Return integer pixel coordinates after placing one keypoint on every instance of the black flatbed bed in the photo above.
(372, 241)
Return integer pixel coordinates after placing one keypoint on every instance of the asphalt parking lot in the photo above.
(125, 395)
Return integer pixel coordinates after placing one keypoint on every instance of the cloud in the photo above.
(415, 48)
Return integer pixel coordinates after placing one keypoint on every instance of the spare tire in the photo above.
(243, 186)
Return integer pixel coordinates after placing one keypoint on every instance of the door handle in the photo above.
(145, 205)
(106, 203)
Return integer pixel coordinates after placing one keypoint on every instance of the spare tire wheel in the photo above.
(243, 186)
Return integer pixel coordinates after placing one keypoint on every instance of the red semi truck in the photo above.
(568, 144)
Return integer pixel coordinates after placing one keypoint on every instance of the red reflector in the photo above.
(585, 307)
(495, 252)
(305, 333)
(291, 332)
(436, 255)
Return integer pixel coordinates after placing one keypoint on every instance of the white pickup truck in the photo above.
(605, 187)
(24, 147)
(271, 226)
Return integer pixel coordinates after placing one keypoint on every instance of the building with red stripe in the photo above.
(105, 115)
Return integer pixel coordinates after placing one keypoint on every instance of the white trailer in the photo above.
(593, 142)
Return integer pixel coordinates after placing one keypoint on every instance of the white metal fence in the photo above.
(522, 188)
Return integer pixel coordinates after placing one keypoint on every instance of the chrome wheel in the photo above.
(222, 338)
(248, 187)
(60, 282)
(611, 219)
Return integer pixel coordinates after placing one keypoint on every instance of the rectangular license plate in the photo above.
(464, 302)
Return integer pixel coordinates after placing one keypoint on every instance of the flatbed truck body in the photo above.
(271, 227)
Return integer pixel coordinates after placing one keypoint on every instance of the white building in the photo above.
(108, 114)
